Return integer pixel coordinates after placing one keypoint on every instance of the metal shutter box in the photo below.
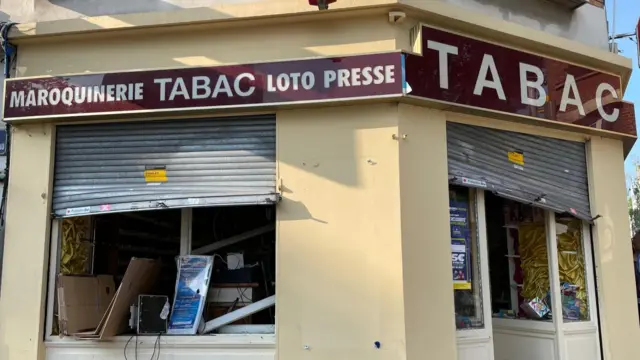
(105, 167)
(544, 172)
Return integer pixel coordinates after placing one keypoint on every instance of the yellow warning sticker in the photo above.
(516, 157)
(155, 175)
(461, 286)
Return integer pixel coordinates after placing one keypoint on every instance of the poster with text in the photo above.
(192, 284)
(460, 250)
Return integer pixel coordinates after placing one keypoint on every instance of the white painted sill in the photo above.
(533, 326)
(254, 341)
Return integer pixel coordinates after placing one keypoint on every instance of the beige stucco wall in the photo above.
(424, 193)
(26, 249)
(202, 47)
(360, 209)
(614, 265)
(339, 241)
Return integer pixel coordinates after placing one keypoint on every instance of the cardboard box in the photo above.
(82, 300)
(140, 277)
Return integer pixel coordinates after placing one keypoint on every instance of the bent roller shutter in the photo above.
(544, 172)
(128, 166)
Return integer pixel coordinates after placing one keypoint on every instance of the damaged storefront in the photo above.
(453, 195)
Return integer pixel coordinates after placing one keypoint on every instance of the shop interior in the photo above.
(197, 271)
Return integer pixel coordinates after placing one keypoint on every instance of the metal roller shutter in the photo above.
(544, 172)
(109, 167)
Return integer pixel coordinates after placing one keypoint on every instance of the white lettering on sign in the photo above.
(570, 95)
(526, 84)
(179, 89)
(291, 81)
(599, 93)
(238, 88)
(489, 65)
(369, 75)
(206, 87)
(444, 51)
(172, 89)
(531, 78)
(71, 95)
(200, 87)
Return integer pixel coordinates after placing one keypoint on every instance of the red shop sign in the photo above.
(452, 69)
(263, 84)
(472, 73)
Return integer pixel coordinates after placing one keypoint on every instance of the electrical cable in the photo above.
(125, 347)
(156, 343)
(159, 345)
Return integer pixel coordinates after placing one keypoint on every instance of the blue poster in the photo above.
(460, 250)
(194, 274)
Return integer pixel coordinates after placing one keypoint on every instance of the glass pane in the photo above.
(571, 264)
(465, 259)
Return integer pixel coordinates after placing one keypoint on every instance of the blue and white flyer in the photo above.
(192, 284)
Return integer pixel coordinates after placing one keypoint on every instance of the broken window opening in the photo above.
(105, 262)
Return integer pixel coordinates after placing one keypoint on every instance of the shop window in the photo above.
(518, 259)
(95, 255)
(572, 269)
(519, 262)
(465, 258)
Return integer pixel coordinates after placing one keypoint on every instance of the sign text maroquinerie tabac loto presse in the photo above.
(203, 87)
(207, 87)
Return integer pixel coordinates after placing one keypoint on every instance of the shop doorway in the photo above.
(540, 261)
(529, 198)
(523, 262)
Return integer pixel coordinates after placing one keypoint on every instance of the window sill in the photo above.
(475, 336)
(255, 341)
(527, 326)
(579, 327)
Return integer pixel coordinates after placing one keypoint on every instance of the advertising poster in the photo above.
(460, 252)
(194, 274)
